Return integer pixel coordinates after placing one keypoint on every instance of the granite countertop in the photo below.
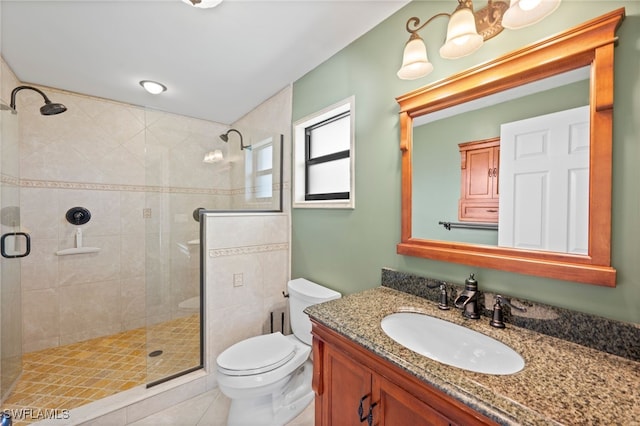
(561, 383)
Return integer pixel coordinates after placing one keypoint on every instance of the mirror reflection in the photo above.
(583, 256)
(456, 142)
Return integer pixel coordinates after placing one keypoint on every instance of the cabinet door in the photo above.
(347, 384)
(480, 173)
(480, 163)
(397, 407)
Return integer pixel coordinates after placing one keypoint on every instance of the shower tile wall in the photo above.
(247, 261)
(122, 162)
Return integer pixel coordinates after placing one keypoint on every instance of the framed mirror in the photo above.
(587, 49)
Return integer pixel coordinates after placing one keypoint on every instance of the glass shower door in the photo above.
(174, 146)
(14, 246)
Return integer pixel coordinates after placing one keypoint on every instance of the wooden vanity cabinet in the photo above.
(347, 376)
(479, 192)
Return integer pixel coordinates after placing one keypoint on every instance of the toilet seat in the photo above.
(256, 355)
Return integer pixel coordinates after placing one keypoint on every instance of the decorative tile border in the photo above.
(238, 251)
(10, 180)
(52, 184)
(29, 183)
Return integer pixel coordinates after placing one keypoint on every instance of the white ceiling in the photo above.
(218, 64)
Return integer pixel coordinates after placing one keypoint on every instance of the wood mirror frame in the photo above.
(589, 44)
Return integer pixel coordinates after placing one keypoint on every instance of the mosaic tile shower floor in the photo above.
(70, 376)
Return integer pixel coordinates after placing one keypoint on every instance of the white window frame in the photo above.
(251, 172)
(299, 147)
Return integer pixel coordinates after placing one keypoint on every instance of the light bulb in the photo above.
(528, 4)
(153, 87)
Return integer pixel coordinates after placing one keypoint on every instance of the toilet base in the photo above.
(278, 408)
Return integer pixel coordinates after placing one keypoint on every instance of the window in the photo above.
(259, 171)
(324, 158)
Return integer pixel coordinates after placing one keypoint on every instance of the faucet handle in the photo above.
(444, 297)
(497, 319)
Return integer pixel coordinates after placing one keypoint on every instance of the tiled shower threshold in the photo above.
(135, 404)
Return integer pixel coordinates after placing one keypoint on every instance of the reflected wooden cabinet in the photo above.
(479, 192)
(356, 387)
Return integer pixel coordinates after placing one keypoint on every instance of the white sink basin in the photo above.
(451, 344)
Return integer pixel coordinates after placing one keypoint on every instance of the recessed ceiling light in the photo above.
(203, 4)
(153, 87)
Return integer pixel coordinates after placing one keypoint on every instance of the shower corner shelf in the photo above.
(78, 250)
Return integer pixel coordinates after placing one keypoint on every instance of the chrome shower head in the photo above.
(49, 108)
(225, 138)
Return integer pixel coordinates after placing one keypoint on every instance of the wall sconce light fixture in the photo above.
(214, 156)
(468, 30)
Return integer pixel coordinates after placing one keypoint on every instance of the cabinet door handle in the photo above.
(369, 416)
(361, 410)
(495, 172)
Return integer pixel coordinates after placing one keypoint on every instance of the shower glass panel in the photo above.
(190, 169)
(10, 290)
(177, 182)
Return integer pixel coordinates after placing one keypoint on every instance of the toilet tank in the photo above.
(304, 293)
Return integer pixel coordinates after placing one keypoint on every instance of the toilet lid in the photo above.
(256, 355)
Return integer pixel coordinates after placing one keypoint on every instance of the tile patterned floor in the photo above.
(69, 376)
(179, 341)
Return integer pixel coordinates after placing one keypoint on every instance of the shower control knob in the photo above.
(78, 216)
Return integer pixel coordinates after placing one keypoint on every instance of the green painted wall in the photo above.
(345, 249)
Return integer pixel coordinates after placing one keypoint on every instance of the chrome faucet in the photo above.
(468, 299)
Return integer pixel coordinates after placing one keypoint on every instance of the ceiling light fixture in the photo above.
(468, 30)
(153, 87)
(203, 4)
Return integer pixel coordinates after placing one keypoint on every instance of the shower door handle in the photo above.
(8, 245)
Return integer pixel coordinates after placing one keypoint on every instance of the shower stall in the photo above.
(110, 197)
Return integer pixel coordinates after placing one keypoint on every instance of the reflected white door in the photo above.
(544, 182)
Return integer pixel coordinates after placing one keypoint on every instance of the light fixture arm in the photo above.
(493, 15)
(415, 21)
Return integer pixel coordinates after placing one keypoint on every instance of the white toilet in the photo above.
(268, 377)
